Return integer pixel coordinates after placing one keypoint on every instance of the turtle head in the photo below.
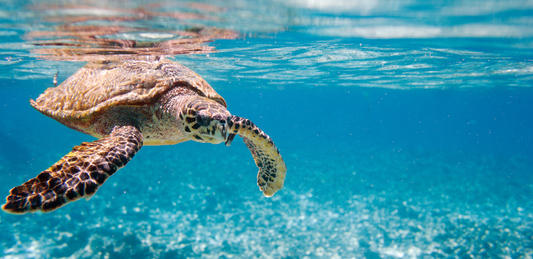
(205, 120)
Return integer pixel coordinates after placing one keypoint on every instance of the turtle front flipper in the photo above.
(76, 175)
(272, 168)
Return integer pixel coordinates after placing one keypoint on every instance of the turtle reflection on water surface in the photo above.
(127, 105)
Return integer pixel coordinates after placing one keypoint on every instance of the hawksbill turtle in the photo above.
(127, 105)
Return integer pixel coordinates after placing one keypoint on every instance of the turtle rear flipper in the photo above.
(76, 175)
(272, 168)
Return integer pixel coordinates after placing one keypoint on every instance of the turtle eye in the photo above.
(203, 120)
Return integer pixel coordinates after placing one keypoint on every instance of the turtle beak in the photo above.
(224, 131)
(230, 136)
(219, 132)
(229, 139)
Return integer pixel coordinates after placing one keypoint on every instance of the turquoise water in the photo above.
(405, 126)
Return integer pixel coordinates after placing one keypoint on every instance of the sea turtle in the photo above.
(127, 105)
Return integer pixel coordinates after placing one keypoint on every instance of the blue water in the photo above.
(405, 126)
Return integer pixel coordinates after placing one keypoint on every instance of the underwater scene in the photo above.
(405, 128)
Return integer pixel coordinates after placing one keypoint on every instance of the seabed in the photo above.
(344, 204)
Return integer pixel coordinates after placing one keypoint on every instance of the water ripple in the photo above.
(350, 64)
(301, 43)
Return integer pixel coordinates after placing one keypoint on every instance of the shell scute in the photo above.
(99, 86)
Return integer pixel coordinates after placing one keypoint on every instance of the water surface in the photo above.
(405, 126)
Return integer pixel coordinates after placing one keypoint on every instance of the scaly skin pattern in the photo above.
(78, 174)
(203, 120)
(97, 87)
(126, 106)
(272, 168)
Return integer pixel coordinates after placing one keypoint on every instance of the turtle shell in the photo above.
(97, 87)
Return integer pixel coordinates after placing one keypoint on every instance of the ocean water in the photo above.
(406, 127)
